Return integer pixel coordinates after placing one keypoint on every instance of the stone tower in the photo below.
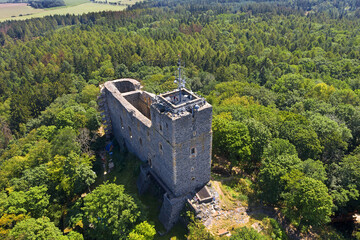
(170, 133)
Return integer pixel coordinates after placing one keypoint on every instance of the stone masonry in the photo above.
(170, 133)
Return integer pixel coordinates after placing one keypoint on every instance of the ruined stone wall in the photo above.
(130, 126)
(177, 146)
(140, 135)
(126, 85)
(165, 140)
(140, 100)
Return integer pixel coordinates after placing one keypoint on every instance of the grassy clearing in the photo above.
(122, 2)
(77, 7)
(77, 10)
(74, 2)
(129, 2)
(234, 193)
(239, 189)
(7, 10)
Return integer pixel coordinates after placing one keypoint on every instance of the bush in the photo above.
(245, 233)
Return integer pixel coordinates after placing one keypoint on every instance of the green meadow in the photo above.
(77, 7)
(7, 10)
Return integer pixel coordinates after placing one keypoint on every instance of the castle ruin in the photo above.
(170, 133)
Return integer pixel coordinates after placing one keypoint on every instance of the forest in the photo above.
(283, 78)
(47, 3)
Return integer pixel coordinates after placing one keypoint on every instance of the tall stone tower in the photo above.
(183, 158)
(170, 133)
(185, 126)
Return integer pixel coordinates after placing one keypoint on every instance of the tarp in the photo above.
(109, 147)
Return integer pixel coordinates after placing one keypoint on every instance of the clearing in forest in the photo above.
(231, 213)
(7, 10)
(77, 7)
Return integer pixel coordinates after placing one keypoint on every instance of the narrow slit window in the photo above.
(160, 148)
(193, 152)
(130, 133)
(140, 141)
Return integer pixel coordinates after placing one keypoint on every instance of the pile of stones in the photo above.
(210, 213)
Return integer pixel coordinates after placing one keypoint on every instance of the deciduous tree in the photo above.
(307, 202)
(109, 212)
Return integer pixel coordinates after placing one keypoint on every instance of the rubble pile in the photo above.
(211, 212)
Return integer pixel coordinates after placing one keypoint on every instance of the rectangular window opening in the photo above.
(192, 150)
(160, 148)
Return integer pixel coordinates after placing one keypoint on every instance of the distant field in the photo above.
(76, 7)
(75, 2)
(123, 2)
(15, 9)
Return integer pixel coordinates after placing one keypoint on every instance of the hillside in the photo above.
(284, 81)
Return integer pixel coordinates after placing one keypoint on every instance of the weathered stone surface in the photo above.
(257, 227)
(174, 139)
(170, 210)
(143, 180)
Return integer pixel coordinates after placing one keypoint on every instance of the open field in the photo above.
(122, 2)
(69, 3)
(77, 10)
(7, 10)
(77, 7)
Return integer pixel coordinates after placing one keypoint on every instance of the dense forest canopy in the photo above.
(283, 77)
(46, 3)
